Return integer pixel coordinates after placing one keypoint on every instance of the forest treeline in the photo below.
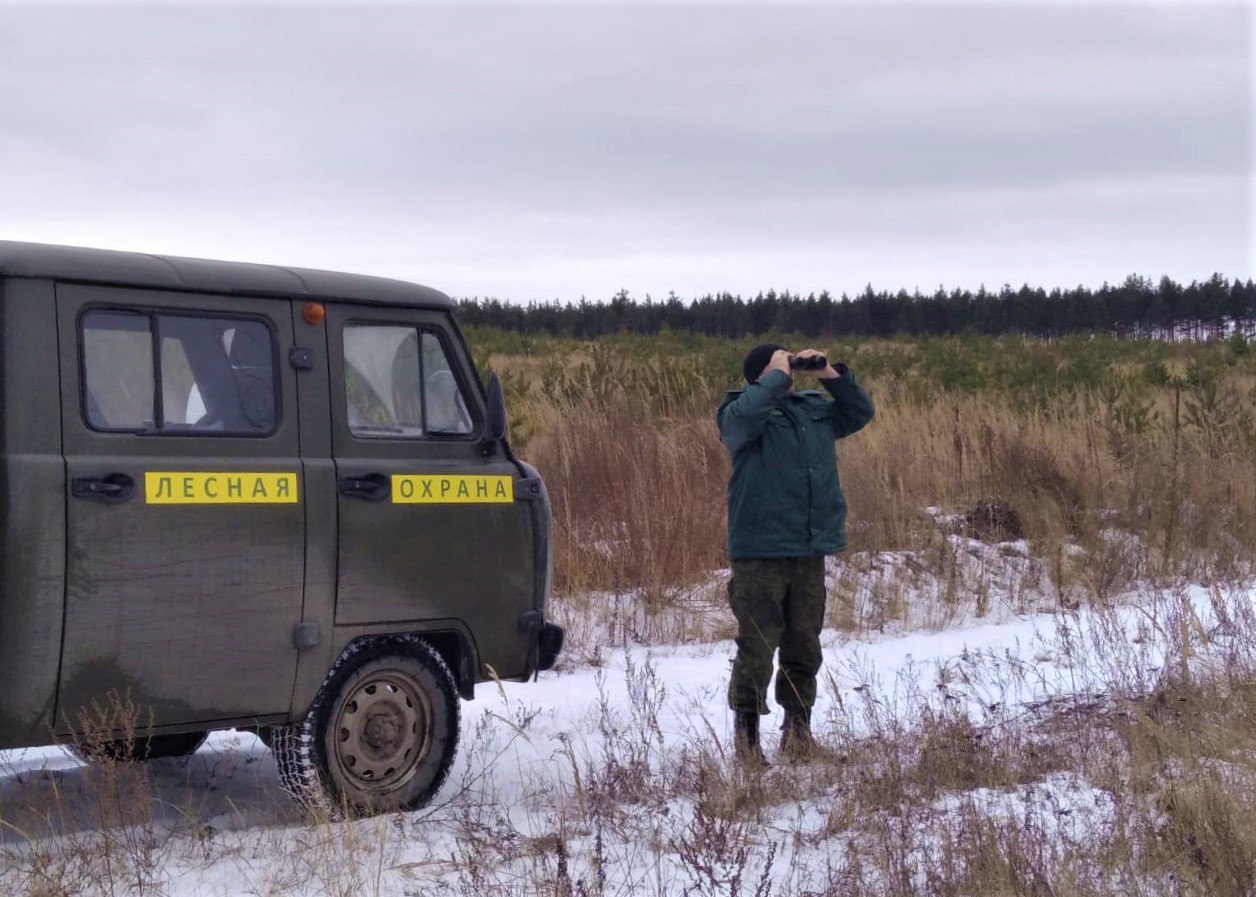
(1138, 308)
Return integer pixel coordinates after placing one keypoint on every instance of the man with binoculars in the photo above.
(786, 512)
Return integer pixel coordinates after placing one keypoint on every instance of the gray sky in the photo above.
(565, 150)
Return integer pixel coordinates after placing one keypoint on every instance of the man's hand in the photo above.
(779, 362)
(828, 373)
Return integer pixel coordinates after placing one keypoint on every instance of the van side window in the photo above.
(216, 375)
(118, 371)
(446, 409)
(398, 383)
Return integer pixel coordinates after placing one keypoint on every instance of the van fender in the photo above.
(542, 539)
(451, 639)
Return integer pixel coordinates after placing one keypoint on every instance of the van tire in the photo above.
(380, 737)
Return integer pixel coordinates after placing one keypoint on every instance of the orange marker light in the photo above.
(314, 313)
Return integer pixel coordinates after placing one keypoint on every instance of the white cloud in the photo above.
(542, 152)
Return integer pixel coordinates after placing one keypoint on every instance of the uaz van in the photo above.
(257, 497)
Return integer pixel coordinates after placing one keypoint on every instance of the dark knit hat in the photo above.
(758, 359)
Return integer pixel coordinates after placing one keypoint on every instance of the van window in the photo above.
(217, 375)
(118, 371)
(446, 409)
(399, 383)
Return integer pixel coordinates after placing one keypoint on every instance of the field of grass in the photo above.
(1040, 670)
(1119, 472)
(1077, 438)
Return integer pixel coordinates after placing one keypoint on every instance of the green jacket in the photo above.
(785, 497)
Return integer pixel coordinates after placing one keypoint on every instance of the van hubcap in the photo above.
(382, 731)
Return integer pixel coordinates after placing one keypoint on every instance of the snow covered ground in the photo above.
(957, 582)
(627, 735)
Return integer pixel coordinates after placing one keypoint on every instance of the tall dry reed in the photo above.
(639, 495)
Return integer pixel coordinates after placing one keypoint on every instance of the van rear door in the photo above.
(185, 518)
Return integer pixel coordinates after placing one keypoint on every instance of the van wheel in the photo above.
(381, 735)
(155, 747)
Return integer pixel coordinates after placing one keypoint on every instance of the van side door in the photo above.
(429, 526)
(185, 520)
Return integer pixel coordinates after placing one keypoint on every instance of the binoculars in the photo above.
(810, 363)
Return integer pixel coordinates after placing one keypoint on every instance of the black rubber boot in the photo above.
(747, 750)
(797, 745)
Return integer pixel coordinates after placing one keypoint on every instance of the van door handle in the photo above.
(111, 489)
(371, 487)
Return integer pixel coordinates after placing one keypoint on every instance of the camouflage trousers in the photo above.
(778, 603)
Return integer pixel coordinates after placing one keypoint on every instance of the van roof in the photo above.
(106, 266)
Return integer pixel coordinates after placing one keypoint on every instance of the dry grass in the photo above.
(636, 505)
(921, 791)
(639, 497)
(956, 783)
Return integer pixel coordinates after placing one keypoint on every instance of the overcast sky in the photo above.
(540, 152)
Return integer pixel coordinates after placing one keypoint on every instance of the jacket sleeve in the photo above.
(851, 407)
(742, 420)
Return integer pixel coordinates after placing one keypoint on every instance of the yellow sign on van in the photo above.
(173, 487)
(413, 489)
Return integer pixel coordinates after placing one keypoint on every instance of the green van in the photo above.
(249, 496)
